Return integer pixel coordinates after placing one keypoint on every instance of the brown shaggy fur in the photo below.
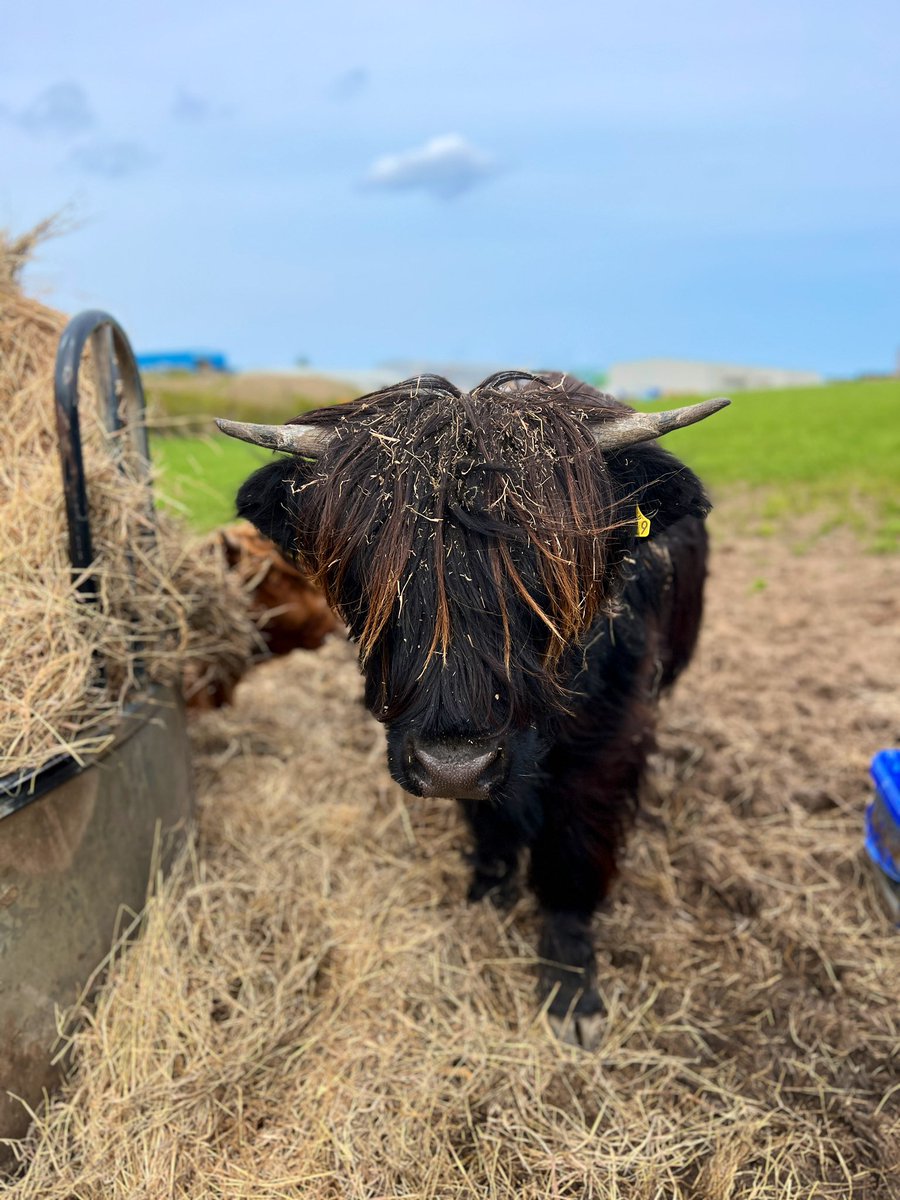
(290, 612)
(287, 611)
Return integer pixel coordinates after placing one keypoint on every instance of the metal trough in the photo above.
(78, 842)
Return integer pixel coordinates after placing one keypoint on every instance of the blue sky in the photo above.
(517, 183)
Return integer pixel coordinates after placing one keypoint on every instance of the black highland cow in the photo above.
(514, 629)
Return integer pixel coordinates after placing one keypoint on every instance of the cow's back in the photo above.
(686, 544)
(629, 658)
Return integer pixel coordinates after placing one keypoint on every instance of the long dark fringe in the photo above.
(421, 472)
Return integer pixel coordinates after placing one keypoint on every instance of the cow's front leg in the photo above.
(568, 968)
(495, 857)
(573, 863)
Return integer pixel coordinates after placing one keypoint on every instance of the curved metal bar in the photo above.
(122, 396)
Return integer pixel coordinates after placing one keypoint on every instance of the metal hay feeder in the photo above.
(78, 841)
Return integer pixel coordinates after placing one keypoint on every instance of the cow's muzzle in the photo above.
(460, 768)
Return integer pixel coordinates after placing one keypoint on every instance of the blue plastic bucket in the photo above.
(883, 828)
(883, 814)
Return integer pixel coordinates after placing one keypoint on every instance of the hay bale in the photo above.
(164, 604)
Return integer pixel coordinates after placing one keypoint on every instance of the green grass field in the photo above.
(832, 451)
(199, 476)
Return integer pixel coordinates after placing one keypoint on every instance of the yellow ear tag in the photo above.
(643, 523)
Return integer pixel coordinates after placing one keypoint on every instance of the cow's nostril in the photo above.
(463, 769)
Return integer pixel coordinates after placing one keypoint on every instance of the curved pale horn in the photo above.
(644, 427)
(310, 440)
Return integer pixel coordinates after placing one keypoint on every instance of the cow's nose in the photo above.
(462, 768)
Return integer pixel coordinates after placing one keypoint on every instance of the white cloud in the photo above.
(446, 166)
(61, 110)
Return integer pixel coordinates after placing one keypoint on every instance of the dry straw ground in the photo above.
(163, 600)
(314, 1011)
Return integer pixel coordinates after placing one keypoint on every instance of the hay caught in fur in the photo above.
(164, 605)
(511, 462)
(314, 1012)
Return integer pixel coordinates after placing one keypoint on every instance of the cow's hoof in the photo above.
(575, 1012)
(584, 1030)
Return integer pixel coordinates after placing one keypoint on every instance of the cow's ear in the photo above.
(231, 547)
(268, 499)
(663, 488)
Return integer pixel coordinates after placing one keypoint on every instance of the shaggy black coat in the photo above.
(485, 555)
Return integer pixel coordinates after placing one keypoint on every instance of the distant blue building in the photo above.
(184, 360)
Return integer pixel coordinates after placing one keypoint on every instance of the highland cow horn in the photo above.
(310, 440)
(644, 427)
